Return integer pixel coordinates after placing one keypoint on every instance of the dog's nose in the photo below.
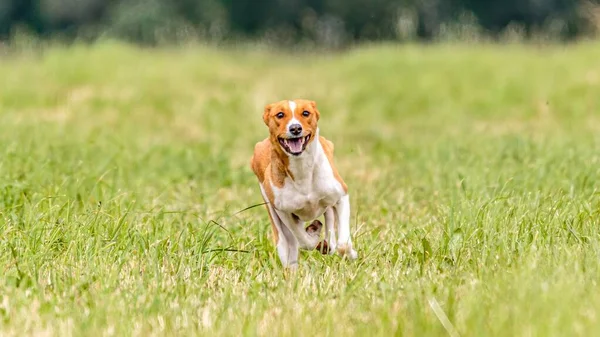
(295, 129)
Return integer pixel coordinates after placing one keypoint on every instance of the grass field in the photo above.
(472, 173)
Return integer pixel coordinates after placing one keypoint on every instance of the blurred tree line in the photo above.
(322, 22)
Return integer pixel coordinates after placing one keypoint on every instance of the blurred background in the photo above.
(323, 23)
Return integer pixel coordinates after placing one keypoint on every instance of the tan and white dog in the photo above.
(299, 182)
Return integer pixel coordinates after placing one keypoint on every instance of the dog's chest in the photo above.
(310, 193)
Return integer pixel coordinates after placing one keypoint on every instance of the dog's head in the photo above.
(292, 124)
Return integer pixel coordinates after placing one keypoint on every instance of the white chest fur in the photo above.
(314, 187)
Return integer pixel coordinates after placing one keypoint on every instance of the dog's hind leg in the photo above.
(307, 240)
(314, 229)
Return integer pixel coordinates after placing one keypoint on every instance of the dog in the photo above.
(299, 183)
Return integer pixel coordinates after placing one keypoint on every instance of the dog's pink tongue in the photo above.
(295, 145)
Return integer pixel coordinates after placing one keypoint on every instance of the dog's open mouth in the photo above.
(294, 146)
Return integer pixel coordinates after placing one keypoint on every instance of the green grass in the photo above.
(472, 172)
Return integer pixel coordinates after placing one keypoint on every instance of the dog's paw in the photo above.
(345, 250)
(290, 269)
(314, 229)
(323, 247)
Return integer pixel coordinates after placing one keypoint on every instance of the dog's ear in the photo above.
(266, 113)
(313, 104)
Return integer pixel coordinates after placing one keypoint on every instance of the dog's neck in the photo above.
(301, 167)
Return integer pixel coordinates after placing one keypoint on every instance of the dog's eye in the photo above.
(280, 115)
(305, 113)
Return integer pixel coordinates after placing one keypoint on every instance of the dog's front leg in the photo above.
(287, 245)
(330, 229)
(342, 212)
